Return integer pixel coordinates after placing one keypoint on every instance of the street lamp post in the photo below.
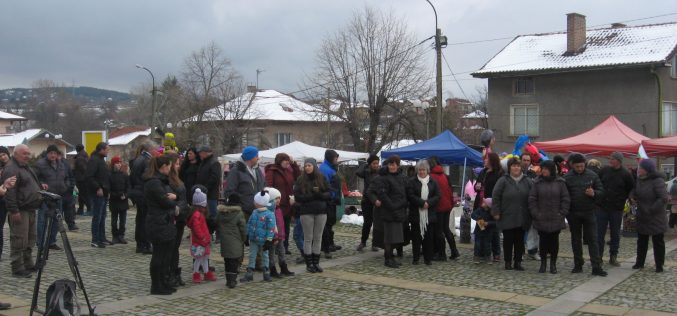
(153, 92)
(438, 49)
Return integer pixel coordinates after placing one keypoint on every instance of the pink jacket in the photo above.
(279, 222)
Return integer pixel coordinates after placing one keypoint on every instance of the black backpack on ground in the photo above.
(62, 299)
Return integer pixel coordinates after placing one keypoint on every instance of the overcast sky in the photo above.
(97, 43)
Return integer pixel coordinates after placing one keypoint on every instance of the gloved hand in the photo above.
(246, 242)
(267, 245)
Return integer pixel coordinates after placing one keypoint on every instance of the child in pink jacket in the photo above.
(278, 241)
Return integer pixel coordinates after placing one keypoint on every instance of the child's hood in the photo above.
(228, 208)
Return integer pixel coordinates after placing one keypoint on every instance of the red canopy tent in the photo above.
(605, 138)
(666, 147)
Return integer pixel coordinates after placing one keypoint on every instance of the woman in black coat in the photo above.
(650, 196)
(188, 171)
(484, 186)
(392, 193)
(549, 205)
(178, 187)
(423, 195)
(162, 208)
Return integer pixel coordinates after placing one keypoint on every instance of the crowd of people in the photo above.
(527, 206)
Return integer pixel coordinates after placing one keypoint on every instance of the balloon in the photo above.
(519, 144)
(470, 189)
(487, 138)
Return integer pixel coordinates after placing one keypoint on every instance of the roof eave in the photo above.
(504, 74)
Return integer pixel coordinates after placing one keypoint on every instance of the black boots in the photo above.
(231, 280)
(508, 265)
(316, 263)
(544, 263)
(309, 263)
(273, 272)
(598, 271)
(284, 271)
(157, 283)
(553, 265)
(613, 261)
(518, 266)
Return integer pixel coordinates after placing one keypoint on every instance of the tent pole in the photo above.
(465, 160)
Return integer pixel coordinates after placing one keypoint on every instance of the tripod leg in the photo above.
(72, 263)
(41, 260)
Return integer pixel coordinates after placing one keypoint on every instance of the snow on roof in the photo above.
(127, 138)
(265, 105)
(475, 115)
(474, 127)
(10, 116)
(11, 140)
(645, 44)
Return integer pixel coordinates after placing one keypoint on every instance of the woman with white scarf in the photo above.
(423, 195)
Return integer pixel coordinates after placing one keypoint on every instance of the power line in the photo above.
(452, 73)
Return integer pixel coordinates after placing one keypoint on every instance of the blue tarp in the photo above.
(446, 146)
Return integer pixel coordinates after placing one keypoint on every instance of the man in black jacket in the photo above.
(80, 172)
(367, 172)
(585, 189)
(136, 193)
(209, 174)
(98, 179)
(52, 176)
(618, 184)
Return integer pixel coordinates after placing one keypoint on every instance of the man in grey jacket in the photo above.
(246, 179)
(22, 200)
(52, 177)
(585, 189)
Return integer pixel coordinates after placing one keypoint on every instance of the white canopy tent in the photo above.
(300, 151)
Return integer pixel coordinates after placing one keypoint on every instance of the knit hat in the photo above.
(233, 199)
(262, 198)
(274, 193)
(199, 198)
(204, 148)
(648, 165)
(52, 148)
(280, 157)
(618, 156)
(310, 161)
(4, 150)
(249, 152)
(372, 158)
(115, 160)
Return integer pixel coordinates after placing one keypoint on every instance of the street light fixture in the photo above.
(438, 49)
(153, 93)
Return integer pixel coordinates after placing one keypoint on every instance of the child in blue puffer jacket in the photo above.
(261, 230)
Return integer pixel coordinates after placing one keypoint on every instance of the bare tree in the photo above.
(368, 65)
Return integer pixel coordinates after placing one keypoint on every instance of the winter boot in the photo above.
(231, 280)
(613, 261)
(273, 272)
(157, 287)
(518, 266)
(553, 265)
(197, 278)
(210, 276)
(177, 276)
(598, 271)
(249, 276)
(544, 263)
(360, 247)
(284, 270)
(266, 275)
(309, 263)
(316, 263)
(508, 265)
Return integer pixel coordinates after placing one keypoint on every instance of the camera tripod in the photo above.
(54, 214)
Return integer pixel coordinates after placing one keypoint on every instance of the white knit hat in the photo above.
(199, 198)
(274, 193)
(262, 198)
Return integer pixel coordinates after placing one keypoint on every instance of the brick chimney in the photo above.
(575, 33)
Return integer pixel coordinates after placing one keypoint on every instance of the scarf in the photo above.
(422, 212)
(519, 178)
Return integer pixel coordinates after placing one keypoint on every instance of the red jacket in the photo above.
(283, 180)
(199, 233)
(446, 193)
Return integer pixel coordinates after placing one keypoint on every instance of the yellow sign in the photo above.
(91, 138)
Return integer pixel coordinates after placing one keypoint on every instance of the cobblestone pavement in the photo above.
(116, 279)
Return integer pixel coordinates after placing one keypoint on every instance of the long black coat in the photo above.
(549, 204)
(651, 197)
(160, 219)
(392, 192)
(310, 202)
(209, 174)
(119, 188)
(98, 174)
(415, 201)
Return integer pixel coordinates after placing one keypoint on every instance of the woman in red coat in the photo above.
(443, 208)
(282, 175)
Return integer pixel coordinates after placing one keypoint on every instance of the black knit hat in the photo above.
(4, 150)
(372, 158)
(53, 148)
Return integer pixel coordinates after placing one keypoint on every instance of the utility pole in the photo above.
(438, 48)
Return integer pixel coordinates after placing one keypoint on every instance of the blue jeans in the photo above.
(98, 218)
(613, 219)
(211, 207)
(42, 222)
(253, 250)
(298, 233)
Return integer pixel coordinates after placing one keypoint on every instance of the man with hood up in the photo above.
(329, 169)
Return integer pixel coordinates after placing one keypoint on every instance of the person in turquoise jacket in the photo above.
(261, 230)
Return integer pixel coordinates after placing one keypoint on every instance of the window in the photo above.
(283, 139)
(524, 120)
(669, 119)
(524, 86)
(673, 68)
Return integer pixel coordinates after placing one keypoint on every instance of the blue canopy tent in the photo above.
(446, 146)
